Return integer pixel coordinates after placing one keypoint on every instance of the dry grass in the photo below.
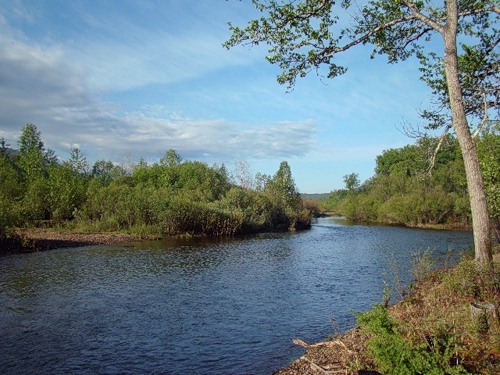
(440, 307)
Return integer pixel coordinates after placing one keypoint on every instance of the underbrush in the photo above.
(433, 331)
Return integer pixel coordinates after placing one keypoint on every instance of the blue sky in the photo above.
(128, 79)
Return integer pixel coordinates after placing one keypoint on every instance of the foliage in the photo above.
(405, 191)
(171, 158)
(307, 36)
(287, 210)
(172, 197)
(394, 354)
(489, 151)
(313, 206)
(10, 189)
(67, 185)
(351, 181)
(32, 159)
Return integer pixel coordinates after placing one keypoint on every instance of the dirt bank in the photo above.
(40, 240)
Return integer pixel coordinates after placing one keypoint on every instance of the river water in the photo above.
(197, 306)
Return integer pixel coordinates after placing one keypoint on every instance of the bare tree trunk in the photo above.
(479, 209)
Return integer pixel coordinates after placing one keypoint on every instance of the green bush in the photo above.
(394, 354)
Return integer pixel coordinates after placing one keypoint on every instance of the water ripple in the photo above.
(193, 306)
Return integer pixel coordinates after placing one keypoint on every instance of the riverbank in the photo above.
(434, 328)
(32, 240)
(347, 353)
(36, 239)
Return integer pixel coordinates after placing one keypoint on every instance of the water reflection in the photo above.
(195, 306)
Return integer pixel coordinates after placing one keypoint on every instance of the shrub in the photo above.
(395, 354)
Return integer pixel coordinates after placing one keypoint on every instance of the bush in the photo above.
(394, 354)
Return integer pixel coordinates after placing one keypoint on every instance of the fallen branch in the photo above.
(323, 343)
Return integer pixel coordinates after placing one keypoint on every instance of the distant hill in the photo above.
(315, 197)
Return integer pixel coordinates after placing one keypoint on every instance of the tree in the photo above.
(242, 174)
(105, 171)
(3, 147)
(282, 186)
(171, 158)
(10, 192)
(351, 181)
(31, 153)
(66, 191)
(78, 161)
(306, 35)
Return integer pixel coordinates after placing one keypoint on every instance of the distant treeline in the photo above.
(416, 186)
(172, 197)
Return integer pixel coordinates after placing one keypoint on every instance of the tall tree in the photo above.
(351, 181)
(306, 35)
(78, 161)
(171, 158)
(105, 171)
(31, 153)
(282, 186)
(242, 174)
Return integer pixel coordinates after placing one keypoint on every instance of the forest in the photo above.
(171, 197)
(416, 186)
(412, 186)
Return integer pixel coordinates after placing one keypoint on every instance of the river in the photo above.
(199, 306)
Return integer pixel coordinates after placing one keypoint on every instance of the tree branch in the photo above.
(372, 32)
(485, 118)
(493, 8)
(436, 150)
(417, 36)
(415, 15)
(420, 16)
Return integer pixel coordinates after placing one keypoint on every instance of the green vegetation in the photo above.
(172, 197)
(434, 330)
(410, 188)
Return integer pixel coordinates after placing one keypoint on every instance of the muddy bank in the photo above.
(23, 241)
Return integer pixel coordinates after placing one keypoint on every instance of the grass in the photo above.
(433, 330)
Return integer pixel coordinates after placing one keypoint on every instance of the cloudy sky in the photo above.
(127, 79)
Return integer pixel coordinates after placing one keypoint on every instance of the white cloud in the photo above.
(217, 139)
(40, 85)
(158, 58)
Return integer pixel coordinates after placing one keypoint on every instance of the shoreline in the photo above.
(343, 354)
(34, 240)
(348, 353)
